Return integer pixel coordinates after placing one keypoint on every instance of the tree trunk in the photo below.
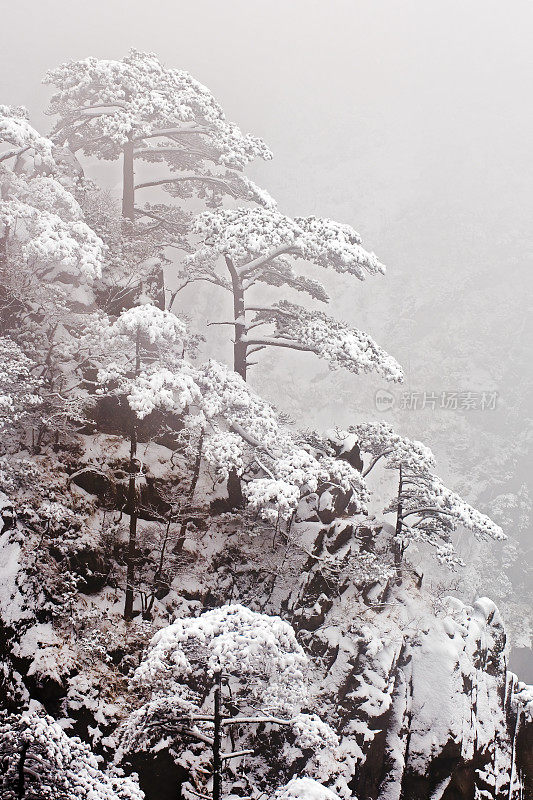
(239, 345)
(132, 542)
(397, 546)
(22, 760)
(217, 762)
(235, 495)
(197, 465)
(128, 182)
(132, 504)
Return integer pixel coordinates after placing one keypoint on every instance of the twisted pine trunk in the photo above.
(397, 546)
(128, 182)
(239, 343)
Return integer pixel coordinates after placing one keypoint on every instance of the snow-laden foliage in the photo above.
(426, 509)
(48, 243)
(261, 672)
(19, 387)
(44, 193)
(163, 390)
(224, 451)
(285, 468)
(15, 130)
(337, 343)
(265, 663)
(148, 321)
(260, 245)
(141, 353)
(241, 431)
(380, 440)
(434, 506)
(248, 234)
(39, 762)
(38, 211)
(272, 498)
(164, 113)
(304, 789)
(43, 228)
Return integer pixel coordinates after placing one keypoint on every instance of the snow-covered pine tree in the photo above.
(19, 390)
(263, 670)
(44, 238)
(153, 116)
(259, 245)
(426, 510)
(277, 467)
(167, 126)
(137, 341)
(50, 258)
(239, 430)
(38, 761)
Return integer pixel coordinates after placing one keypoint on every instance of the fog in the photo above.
(410, 120)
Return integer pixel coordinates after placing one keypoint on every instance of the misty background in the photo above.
(411, 121)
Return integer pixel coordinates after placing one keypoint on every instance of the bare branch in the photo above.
(270, 308)
(254, 720)
(236, 428)
(260, 261)
(236, 754)
(13, 153)
(428, 510)
(142, 212)
(375, 461)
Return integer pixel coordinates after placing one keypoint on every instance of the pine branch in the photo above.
(184, 178)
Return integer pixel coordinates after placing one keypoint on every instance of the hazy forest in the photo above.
(265, 496)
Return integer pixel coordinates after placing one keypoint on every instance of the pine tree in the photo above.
(256, 662)
(137, 109)
(259, 246)
(38, 761)
(426, 510)
(153, 118)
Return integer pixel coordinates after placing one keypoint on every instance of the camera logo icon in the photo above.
(384, 400)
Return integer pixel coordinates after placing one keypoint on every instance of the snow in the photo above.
(254, 647)
(19, 388)
(13, 605)
(47, 223)
(50, 657)
(16, 130)
(337, 343)
(60, 766)
(161, 327)
(137, 97)
(430, 511)
(304, 789)
(245, 234)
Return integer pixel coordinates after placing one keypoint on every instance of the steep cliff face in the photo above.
(420, 683)
(415, 686)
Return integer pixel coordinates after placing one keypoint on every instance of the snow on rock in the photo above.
(304, 789)
(14, 607)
